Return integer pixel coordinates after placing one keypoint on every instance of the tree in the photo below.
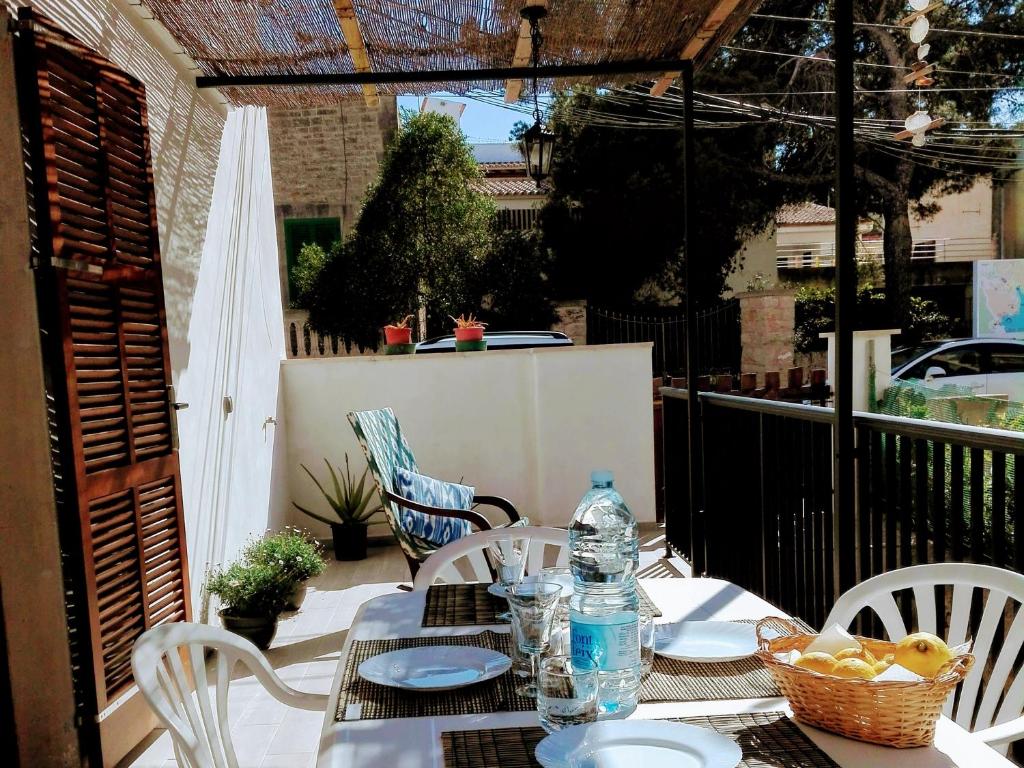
(892, 177)
(514, 284)
(419, 240)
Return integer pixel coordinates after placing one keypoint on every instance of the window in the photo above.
(300, 232)
(959, 361)
(1007, 358)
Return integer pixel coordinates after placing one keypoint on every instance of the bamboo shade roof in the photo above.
(305, 37)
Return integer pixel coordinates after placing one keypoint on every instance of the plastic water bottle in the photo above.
(603, 555)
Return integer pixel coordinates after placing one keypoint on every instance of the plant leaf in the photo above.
(318, 485)
(314, 515)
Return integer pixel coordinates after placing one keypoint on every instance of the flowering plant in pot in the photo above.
(400, 332)
(251, 597)
(296, 552)
(352, 502)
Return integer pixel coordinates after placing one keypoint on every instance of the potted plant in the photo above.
(469, 334)
(296, 552)
(351, 502)
(400, 332)
(251, 597)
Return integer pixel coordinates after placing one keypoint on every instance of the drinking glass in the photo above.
(533, 608)
(509, 562)
(560, 627)
(566, 693)
(646, 627)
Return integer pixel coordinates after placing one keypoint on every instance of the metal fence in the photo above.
(718, 331)
(926, 492)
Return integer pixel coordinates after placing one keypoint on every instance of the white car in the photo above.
(986, 366)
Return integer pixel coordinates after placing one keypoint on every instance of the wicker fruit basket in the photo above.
(897, 714)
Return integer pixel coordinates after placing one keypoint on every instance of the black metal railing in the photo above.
(718, 335)
(926, 492)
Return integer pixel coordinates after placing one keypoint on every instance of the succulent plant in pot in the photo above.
(353, 504)
(296, 552)
(400, 332)
(469, 334)
(251, 597)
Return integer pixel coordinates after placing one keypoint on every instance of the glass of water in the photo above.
(533, 609)
(509, 563)
(566, 693)
(646, 629)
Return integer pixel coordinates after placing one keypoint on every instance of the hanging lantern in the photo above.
(538, 145)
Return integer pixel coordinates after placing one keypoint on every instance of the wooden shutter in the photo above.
(99, 271)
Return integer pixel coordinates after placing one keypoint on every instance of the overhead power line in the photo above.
(972, 32)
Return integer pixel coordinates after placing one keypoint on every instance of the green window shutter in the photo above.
(299, 232)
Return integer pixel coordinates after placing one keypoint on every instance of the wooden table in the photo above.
(416, 742)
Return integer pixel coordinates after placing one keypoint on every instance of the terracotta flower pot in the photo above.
(394, 335)
(259, 630)
(469, 334)
(349, 541)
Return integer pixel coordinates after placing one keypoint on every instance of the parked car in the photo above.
(499, 340)
(986, 366)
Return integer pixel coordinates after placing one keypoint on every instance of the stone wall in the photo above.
(766, 330)
(323, 159)
(572, 320)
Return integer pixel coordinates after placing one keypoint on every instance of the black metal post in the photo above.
(696, 457)
(844, 462)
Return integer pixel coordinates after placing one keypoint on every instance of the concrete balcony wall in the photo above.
(529, 425)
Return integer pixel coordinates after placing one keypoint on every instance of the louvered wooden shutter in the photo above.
(98, 246)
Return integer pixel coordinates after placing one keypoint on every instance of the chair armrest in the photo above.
(475, 518)
(503, 504)
(1002, 733)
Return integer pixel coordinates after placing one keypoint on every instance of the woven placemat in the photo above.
(768, 740)
(360, 699)
(463, 605)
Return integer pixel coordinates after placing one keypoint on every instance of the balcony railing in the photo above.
(926, 492)
(823, 254)
(300, 340)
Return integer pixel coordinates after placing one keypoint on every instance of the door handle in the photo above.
(174, 407)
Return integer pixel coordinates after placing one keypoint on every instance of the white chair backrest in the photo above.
(198, 726)
(469, 554)
(1003, 586)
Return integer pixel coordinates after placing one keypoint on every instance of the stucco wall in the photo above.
(766, 330)
(529, 425)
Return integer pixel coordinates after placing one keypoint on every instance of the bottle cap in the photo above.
(602, 477)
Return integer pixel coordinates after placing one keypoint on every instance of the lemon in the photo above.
(923, 653)
(856, 653)
(817, 662)
(854, 668)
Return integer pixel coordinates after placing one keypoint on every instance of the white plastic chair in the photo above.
(201, 736)
(994, 726)
(442, 567)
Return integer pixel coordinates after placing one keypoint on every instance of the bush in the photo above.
(297, 553)
(515, 284)
(251, 589)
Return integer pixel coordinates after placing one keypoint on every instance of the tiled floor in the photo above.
(305, 651)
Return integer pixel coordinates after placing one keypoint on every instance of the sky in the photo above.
(482, 123)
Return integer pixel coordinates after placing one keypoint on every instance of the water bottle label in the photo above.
(611, 643)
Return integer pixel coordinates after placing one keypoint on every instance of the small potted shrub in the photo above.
(251, 597)
(469, 334)
(352, 502)
(296, 552)
(398, 338)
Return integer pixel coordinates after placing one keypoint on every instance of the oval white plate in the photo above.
(565, 580)
(705, 641)
(434, 667)
(632, 743)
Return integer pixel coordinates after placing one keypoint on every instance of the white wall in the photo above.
(529, 425)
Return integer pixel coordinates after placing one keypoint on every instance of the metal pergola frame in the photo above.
(843, 445)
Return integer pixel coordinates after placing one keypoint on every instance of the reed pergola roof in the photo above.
(259, 38)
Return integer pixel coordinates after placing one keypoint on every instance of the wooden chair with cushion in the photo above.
(386, 450)
(999, 700)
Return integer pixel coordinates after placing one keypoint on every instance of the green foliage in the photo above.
(515, 285)
(306, 273)
(419, 240)
(251, 589)
(351, 500)
(295, 552)
(816, 311)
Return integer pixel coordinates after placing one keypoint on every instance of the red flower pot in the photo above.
(469, 334)
(394, 335)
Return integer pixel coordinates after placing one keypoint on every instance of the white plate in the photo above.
(706, 641)
(434, 667)
(565, 580)
(632, 743)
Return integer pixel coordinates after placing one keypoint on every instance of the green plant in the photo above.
(467, 322)
(514, 283)
(298, 553)
(251, 589)
(351, 499)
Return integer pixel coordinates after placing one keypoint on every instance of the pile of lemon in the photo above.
(922, 653)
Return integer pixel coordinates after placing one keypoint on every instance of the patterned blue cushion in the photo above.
(435, 493)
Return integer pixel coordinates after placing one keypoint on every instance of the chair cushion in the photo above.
(434, 493)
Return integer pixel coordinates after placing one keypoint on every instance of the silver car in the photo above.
(986, 366)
